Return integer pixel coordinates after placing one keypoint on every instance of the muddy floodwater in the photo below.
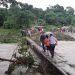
(66, 49)
(6, 51)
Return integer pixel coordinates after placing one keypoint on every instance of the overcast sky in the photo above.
(45, 3)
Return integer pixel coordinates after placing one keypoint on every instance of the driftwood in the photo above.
(18, 61)
(14, 61)
(4, 59)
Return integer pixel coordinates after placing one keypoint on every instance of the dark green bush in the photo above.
(8, 25)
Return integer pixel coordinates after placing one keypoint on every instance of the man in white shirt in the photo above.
(53, 43)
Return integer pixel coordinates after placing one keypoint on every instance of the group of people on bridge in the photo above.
(31, 31)
(48, 43)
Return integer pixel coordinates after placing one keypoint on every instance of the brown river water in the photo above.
(67, 50)
(6, 51)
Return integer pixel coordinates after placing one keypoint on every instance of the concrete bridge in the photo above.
(58, 64)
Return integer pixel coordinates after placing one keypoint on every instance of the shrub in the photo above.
(8, 25)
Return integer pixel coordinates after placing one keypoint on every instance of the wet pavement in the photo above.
(6, 51)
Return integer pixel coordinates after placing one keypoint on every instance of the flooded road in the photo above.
(6, 51)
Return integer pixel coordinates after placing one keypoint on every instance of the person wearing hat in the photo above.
(53, 43)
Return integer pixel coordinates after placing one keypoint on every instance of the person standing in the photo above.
(47, 44)
(53, 43)
(29, 33)
(42, 38)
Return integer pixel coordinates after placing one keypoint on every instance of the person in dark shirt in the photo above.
(42, 38)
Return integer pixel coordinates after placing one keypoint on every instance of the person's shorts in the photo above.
(48, 47)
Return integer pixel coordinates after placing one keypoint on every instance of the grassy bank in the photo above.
(50, 27)
(9, 35)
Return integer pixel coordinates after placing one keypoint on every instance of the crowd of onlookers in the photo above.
(67, 29)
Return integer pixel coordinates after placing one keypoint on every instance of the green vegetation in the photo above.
(27, 58)
(50, 27)
(22, 57)
(20, 15)
(23, 15)
(9, 35)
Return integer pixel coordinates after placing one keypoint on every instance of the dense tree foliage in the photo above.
(57, 15)
(6, 2)
(20, 15)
